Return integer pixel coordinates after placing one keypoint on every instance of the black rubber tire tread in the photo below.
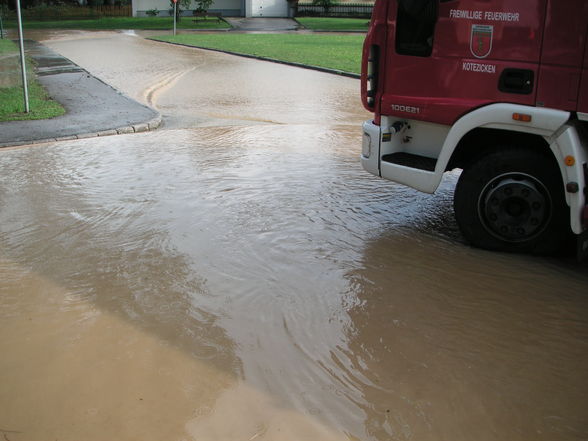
(504, 160)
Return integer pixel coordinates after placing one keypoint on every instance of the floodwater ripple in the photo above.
(250, 281)
(241, 249)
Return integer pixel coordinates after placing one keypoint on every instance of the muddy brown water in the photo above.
(235, 275)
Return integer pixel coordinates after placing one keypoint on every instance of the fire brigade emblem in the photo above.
(481, 40)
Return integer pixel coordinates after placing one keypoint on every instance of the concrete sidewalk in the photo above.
(93, 108)
(262, 24)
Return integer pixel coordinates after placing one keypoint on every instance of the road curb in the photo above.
(150, 125)
(272, 60)
(93, 107)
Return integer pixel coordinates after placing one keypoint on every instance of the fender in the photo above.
(544, 122)
(571, 157)
(551, 124)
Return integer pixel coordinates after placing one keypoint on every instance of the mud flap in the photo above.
(582, 246)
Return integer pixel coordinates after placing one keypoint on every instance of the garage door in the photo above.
(269, 8)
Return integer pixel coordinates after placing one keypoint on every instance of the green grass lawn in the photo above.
(334, 24)
(40, 105)
(7, 46)
(12, 98)
(123, 23)
(341, 52)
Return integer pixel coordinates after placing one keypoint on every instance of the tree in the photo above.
(203, 5)
(181, 6)
(326, 4)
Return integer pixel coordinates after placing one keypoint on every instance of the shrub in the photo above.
(181, 6)
(326, 4)
(203, 5)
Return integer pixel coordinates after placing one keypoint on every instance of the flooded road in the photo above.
(235, 275)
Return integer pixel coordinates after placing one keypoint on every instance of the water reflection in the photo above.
(250, 281)
(447, 342)
(99, 301)
(297, 297)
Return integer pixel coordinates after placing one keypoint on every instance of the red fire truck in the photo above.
(497, 88)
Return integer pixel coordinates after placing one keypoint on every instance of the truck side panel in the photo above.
(374, 50)
(562, 55)
(583, 93)
(474, 59)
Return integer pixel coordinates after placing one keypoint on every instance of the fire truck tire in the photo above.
(512, 200)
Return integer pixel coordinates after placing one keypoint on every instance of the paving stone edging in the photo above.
(88, 115)
(136, 128)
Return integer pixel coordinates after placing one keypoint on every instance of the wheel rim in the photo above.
(515, 207)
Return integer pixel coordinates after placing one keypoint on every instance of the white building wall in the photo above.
(227, 7)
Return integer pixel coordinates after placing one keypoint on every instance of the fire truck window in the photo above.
(415, 27)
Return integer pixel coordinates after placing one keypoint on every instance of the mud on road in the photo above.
(235, 275)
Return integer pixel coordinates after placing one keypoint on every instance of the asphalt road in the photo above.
(93, 108)
(235, 275)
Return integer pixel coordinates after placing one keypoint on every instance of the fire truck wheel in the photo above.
(512, 200)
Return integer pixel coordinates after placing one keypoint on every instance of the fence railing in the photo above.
(73, 12)
(115, 11)
(363, 10)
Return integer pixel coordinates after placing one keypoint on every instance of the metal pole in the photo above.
(22, 58)
(175, 6)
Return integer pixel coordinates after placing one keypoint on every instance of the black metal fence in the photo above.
(361, 10)
(72, 12)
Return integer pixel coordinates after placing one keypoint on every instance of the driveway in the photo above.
(262, 24)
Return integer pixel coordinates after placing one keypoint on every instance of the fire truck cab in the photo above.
(497, 88)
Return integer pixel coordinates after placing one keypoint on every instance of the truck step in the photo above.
(410, 160)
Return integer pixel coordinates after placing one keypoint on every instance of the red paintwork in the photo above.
(562, 54)
(583, 94)
(548, 38)
(376, 35)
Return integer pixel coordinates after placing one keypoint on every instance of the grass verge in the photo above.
(41, 105)
(124, 23)
(340, 52)
(334, 24)
(12, 106)
(7, 46)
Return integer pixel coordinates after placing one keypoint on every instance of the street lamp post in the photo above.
(175, 14)
(22, 58)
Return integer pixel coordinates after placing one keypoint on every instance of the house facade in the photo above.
(228, 8)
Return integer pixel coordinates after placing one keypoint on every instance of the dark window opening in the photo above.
(415, 27)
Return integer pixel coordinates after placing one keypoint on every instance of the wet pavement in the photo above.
(235, 275)
(93, 108)
(262, 24)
